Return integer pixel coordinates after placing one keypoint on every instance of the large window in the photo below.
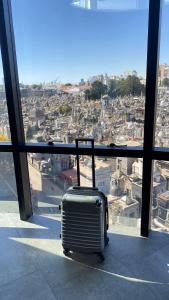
(120, 179)
(82, 69)
(86, 69)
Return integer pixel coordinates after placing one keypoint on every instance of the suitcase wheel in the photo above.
(66, 252)
(100, 257)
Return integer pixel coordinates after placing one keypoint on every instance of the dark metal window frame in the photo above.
(20, 148)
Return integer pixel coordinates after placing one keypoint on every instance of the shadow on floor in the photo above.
(131, 263)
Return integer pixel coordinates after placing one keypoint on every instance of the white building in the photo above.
(103, 172)
(124, 210)
(163, 208)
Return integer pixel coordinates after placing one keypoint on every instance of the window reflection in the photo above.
(111, 4)
(4, 122)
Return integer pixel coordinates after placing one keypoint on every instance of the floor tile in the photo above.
(31, 287)
(92, 284)
(15, 260)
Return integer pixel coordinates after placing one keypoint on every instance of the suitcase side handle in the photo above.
(77, 158)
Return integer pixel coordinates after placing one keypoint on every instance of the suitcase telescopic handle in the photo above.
(77, 158)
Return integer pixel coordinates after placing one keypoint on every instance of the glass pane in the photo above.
(120, 179)
(48, 180)
(82, 71)
(160, 197)
(8, 193)
(162, 128)
(4, 122)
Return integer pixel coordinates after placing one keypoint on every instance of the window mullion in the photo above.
(150, 109)
(14, 108)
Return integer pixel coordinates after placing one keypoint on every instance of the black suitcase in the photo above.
(84, 216)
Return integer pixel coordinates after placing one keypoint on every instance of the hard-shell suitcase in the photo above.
(84, 216)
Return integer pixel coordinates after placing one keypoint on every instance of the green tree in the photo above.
(135, 86)
(68, 84)
(165, 82)
(96, 91)
(122, 87)
(87, 94)
(129, 86)
(37, 86)
(65, 109)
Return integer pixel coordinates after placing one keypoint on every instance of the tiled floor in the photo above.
(32, 265)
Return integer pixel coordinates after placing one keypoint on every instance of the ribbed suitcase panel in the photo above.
(83, 230)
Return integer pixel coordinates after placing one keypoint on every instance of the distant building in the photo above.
(159, 183)
(123, 210)
(52, 164)
(103, 172)
(130, 209)
(130, 73)
(137, 168)
(124, 164)
(163, 209)
(105, 106)
(82, 82)
(163, 72)
(27, 92)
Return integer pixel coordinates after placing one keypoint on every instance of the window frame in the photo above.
(20, 148)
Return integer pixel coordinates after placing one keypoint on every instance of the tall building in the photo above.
(163, 72)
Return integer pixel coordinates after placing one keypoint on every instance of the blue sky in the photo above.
(55, 40)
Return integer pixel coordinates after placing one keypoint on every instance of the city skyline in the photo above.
(89, 79)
